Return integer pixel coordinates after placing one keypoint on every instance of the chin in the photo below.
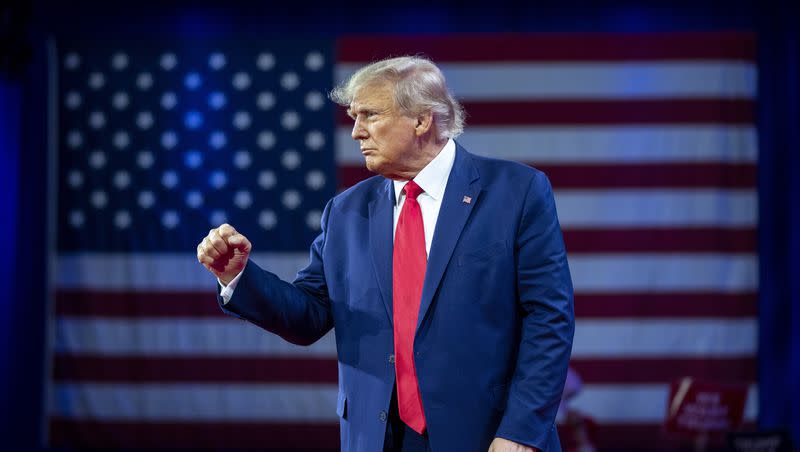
(374, 166)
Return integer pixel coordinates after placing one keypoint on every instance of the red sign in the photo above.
(704, 407)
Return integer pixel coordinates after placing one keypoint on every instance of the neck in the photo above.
(427, 152)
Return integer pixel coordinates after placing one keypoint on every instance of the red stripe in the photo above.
(347, 176)
(602, 112)
(607, 112)
(664, 370)
(141, 305)
(310, 437)
(671, 175)
(195, 435)
(163, 369)
(71, 302)
(655, 305)
(656, 175)
(672, 240)
(486, 48)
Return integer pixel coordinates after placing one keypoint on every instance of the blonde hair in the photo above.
(419, 87)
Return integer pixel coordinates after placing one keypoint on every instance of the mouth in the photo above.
(366, 151)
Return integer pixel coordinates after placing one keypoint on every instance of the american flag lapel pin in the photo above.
(466, 200)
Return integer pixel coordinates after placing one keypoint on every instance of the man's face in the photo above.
(386, 136)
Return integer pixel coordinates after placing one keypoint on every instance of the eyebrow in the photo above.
(353, 112)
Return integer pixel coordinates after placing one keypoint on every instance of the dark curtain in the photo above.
(22, 231)
(779, 219)
(23, 261)
(10, 107)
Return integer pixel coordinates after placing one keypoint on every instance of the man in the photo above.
(445, 278)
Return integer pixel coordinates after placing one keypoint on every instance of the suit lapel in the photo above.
(381, 218)
(453, 215)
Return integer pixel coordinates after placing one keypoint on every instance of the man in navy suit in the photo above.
(445, 278)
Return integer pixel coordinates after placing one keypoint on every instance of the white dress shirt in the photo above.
(432, 180)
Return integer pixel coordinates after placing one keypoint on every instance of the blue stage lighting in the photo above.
(193, 158)
(192, 80)
(193, 119)
(217, 100)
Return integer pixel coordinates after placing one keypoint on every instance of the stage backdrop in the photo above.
(649, 141)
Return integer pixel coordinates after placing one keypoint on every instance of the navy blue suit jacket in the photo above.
(496, 320)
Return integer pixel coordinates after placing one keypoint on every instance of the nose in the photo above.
(359, 132)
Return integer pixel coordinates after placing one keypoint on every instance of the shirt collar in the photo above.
(433, 178)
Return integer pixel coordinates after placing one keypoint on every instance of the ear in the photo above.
(424, 123)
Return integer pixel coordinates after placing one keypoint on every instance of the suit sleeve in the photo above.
(544, 287)
(299, 312)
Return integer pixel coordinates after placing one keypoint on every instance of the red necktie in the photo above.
(409, 264)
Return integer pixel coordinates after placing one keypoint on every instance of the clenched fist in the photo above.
(224, 252)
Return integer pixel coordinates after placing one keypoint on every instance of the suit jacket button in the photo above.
(391, 358)
(382, 416)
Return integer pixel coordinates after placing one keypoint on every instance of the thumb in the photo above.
(239, 242)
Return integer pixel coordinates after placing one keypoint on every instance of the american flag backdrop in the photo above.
(649, 141)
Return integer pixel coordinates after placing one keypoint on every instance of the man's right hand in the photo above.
(224, 252)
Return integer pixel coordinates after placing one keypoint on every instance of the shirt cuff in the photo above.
(226, 292)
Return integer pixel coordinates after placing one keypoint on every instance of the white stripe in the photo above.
(633, 403)
(625, 80)
(157, 271)
(196, 402)
(223, 337)
(667, 272)
(591, 272)
(702, 143)
(631, 208)
(179, 337)
(673, 338)
(628, 403)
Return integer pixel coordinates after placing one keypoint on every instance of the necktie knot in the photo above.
(412, 189)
